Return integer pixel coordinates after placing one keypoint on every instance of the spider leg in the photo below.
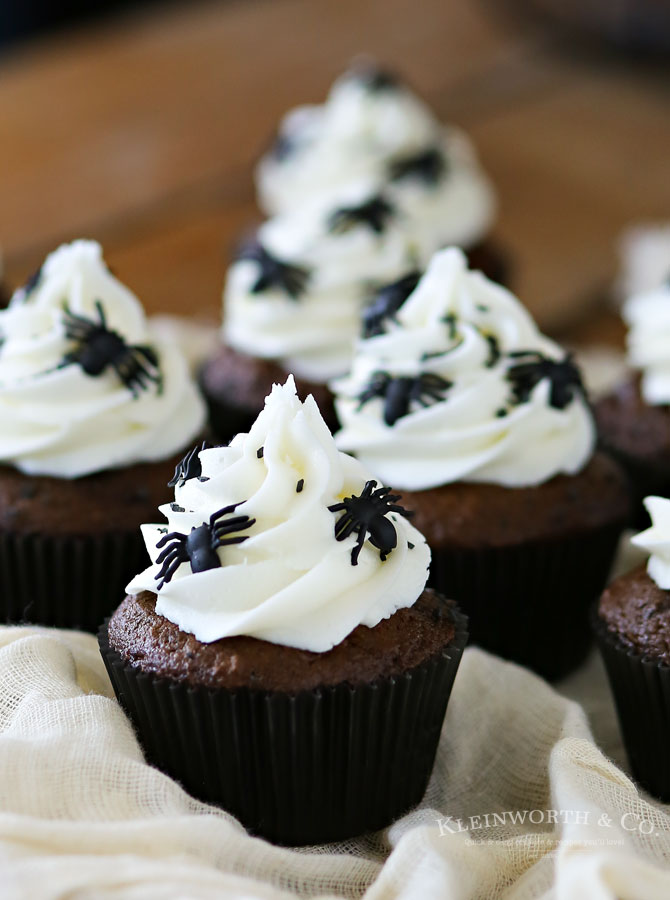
(170, 552)
(125, 377)
(336, 507)
(168, 571)
(222, 512)
(169, 537)
(236, 524)
(101, 313)
(344, 527)
(355, 553)
(400, 509)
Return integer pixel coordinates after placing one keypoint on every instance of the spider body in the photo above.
(386, 304)
(375, 79)
(532, 367)
(366, 515)
(99, 348)
(274, 272)
(188, 467)
(374, 214)
(399, 392)
(429, 166)
(199, 546)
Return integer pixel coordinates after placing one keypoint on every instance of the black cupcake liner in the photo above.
(641, 690)
(530, 603)
(66, 581)
(311, 767)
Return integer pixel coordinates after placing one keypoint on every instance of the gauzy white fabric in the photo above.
(82, 815)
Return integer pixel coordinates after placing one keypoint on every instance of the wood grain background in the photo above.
(142, 133)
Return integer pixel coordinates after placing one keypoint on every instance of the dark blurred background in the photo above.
(632, 26)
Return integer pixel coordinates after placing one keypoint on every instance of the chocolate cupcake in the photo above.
(362, 190)
(282, 656)
(293, 300)
(457, 400)
(373, 126)
(634, 419)
(632, 626)
(95, 412)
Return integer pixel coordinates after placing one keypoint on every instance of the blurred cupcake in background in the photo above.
(286, 618)
(457, 400)
(95, 412)
(293, 301)
(373, 126)
(634, 419)
(632, 626)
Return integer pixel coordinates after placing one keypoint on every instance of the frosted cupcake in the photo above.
(632, 625)
(94, 414)
(481, 421)
(372, 126)
(293, 301)
(285, 615)
(634, 419)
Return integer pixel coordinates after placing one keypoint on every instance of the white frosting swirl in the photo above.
(648, 318)
(477, 430)
(359, 133)
(656, 540)
(290, 582)
(57, 420)
(312, 334)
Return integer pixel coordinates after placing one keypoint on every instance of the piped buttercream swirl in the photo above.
(461, 386)
(290, 581)
(74, 400)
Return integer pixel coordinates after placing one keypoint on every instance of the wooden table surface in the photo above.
(142, 134)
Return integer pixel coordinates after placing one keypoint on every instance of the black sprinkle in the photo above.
(450, 321)
(203, 477)
(260, 452)
(28, 491)
(482, 308)
(501, 412)
(410, 545)
(433, 355)
(162, 530)
(300, 485)
(175, 507)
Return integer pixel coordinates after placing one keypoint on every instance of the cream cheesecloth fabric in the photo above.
(82, 815)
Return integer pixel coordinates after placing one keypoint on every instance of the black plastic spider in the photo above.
(428, 166)
(375, 79)
(399, 392)
(282, 147)
(366, 514)
(98, 348)
(386, 303)
(199, 547)
(532, 367)
(189, 467)
(273, 272)
(31, 283)
(374, 213)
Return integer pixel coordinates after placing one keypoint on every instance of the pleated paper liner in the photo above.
(66, 581)
(311, 767)
(530, 603)
(641, 690)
